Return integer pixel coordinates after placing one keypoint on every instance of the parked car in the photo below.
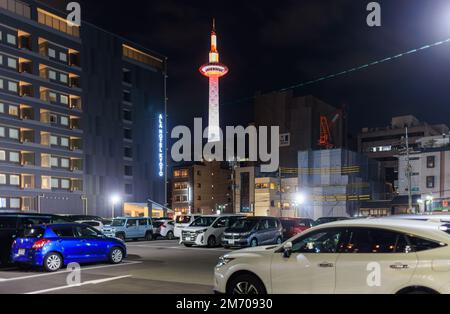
(13, 224)
(126, 228)
(410, 257)
(75, 218)
(253, 231)
(207, 230)
(164, 228)
(181, 222)
(93, 223)
(53, 246)
(325, 220)
(294, 226)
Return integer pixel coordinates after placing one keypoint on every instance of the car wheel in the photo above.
(279, 240)
(246, 284)
(148, 236)
(116, 256)
(121, 236)
(53, 262)
(187, 245)
(169, 235)
(212, 241)
(254, 243)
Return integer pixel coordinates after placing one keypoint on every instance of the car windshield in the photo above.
(35, 232)
(183, 219)
(118, 223)
(203, 222)
(244, 224)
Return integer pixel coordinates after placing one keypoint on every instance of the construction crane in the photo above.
(326, 125)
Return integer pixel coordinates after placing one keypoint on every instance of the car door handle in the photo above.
(399, 266)
(326, 265)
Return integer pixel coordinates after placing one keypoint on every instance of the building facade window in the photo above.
(431, 162)
(430, 182)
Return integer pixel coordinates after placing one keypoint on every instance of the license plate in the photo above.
(21, 252)
(188, 239)
(231, 242)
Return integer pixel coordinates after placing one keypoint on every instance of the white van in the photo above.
(181, 222)
(207, 230)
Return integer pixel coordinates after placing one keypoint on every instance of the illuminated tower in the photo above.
(214, 70)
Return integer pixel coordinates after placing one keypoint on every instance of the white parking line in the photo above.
(91, 282)
(66, 271)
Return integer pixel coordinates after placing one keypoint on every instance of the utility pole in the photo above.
(233, 165)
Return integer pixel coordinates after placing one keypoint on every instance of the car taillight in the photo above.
(40, 244)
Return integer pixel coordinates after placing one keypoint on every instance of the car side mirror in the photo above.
(287, 250)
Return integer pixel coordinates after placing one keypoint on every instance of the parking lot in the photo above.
(160, 266)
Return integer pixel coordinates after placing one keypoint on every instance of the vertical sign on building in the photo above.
(161, 145)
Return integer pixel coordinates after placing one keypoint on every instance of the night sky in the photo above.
(269, 45)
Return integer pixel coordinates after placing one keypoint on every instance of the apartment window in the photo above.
(13, 134)
(64, 121)
(52, 75)
(127, 115)
(12, 63)
(13, 87)
(13, 110)
(54, 162)
(65, 163)
(14, 203)
(126, 96)
(45, 161)
(128, 171)
(51, 53)
(11, 39)
(14, 180)
(431, 162)
(65, 184)
(2, 107)
(2, 178)
(46, 183)
(52, 97)
(53, 140)
(2, 155)
(63, 57)
(14, 157)
(55, 183)
(430, 182)
(64, 142)
(63, 78)
(128, 152)
(127, 133)
(64, 99)
(2, 131)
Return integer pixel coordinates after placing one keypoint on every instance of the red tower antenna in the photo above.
(214, 70)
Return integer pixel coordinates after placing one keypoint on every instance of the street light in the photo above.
(300, 199)
(115, 199)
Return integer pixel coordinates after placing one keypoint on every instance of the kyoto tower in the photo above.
(214, 70)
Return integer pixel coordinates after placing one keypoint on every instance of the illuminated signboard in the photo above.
(161, 145)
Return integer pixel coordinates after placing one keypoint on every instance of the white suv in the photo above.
(352, 257)
(207, 230)
(182, 222)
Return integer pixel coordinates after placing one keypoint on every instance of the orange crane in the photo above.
(326, 125)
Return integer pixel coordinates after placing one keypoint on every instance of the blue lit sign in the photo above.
(161, 144)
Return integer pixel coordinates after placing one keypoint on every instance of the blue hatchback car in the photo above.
(53, 246)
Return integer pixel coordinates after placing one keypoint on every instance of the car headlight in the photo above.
(223, 260)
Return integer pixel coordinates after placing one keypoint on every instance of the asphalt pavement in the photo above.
(156, 267)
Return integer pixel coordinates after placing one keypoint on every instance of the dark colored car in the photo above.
(325, 220)
(75, 218)
(294, 226)
(253, 231)
(53, 246)
(13, 224)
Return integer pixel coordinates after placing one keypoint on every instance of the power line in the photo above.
(354, 69)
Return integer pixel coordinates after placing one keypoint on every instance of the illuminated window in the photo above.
(14, 134)
(11, 39)
(13, 87)
(46, 183)
(45, 161)
(14, 203)
(64, 121)
(64, 99)
(2, 155)
(12, 63)
(55, 183)
(14, 180)
(65, 163)
(63, 56)
(51, 52)
(53, 140)
(64, 142)
(2, 178)
(142, 57)
(65, 184)
(54, 162)
(14, 157)
(13, 110)
(57, 23)
(2, 107)
(2, 131)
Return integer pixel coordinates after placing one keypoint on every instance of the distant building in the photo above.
(430, 179)
(384, 143)
(336, 182)
(201, 188)
(299, 122)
